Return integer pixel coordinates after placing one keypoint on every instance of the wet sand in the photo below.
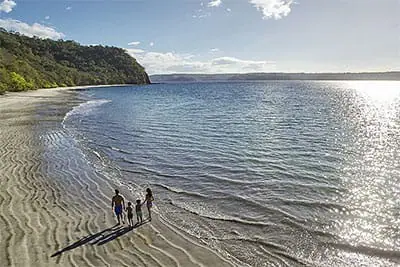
(66, 219)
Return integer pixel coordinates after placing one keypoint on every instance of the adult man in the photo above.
(118, 205)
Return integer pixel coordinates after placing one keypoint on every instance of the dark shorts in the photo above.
(130, 216)
(118, 210)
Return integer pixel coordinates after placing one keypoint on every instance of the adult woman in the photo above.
(149, 201)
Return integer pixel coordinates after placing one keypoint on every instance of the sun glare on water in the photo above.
(367, 171)
(381, 92)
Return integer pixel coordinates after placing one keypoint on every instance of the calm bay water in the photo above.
(267, 173)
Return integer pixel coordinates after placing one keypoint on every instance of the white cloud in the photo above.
(151, 44)
(135, 51)
(47, 17)
(134, 43)
(213, 50)
(7, 6)
(228, 9)
(273, 8)
(214, 3)
(203, 13)
(68, 8)
(232, 64)
(35, 29)
(156, 62)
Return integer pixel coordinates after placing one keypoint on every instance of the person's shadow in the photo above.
(101, 237)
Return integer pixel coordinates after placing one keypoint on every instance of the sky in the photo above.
(224, 36)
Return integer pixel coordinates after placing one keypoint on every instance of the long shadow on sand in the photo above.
(115, 234)
(101, 237)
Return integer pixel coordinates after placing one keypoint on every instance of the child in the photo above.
(149, 201)
(139, 211)
(129, 209)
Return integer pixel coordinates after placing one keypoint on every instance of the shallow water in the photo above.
(267, 173)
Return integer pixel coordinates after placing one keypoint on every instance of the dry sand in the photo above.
(66, 220)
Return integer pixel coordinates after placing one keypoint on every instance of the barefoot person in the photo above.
(118, 204)
(129, 209)
(149, 201)
(138, 209)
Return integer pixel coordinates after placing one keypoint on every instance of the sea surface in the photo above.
(286, 173)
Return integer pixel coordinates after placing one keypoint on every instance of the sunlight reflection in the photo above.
(379, 103)
(378, 92)
(371, 138)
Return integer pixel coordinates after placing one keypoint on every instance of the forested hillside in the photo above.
(30, 63)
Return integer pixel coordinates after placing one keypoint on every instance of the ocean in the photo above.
(274, 173)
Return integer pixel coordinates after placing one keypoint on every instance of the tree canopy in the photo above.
(30, 63)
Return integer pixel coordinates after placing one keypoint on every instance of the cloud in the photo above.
(151, 44)
(156, 62)
(135, 51)
(228, 9)
(35, 29)
(276, 9)
(203, 13)
(47, 17)
(134, 43)
(7, 6)
(214, 3)
(241, 65)
(213, 50)
(68, 8)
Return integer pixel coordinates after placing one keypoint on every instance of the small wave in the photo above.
(371, 251)
(229, 180)
(132, 171)
(114, 149)
(146, 171)
(127, 160)
(181, 191)
(85, 108)
(310, 203)
(269, 209)
(273, 247)
(304, 227)
(289, 219)
(222, 218)
(97, 154)
(307, 185)
(231, 198)
(120, 150)
(150, 171)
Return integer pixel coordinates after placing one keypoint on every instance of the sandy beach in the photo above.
(66, 219)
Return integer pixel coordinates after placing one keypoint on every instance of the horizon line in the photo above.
(281, 72)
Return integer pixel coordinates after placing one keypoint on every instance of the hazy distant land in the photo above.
(390, 76)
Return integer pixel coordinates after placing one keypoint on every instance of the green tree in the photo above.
(30, 63)
(3, 88)
(18, 83)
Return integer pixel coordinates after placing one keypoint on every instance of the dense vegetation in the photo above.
(30, 63)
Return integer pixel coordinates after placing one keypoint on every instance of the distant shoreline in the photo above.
(278, 76)
(261, 81)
